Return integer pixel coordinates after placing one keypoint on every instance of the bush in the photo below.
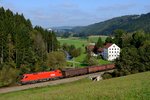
(92, 61)
(106, 76)
(126, 72)
(99, 57)
(8, 76)
(134, 71)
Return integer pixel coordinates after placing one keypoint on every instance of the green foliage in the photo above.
(22, 47)
(8, 75)
(72, 50)
(109, 40)
(56, 60)
(90, 60)
(99, 43)
(118, 37)
(135, 53)
(20, 43)
(106, 76)
(76, 52)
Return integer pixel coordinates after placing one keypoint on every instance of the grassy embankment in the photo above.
(132, 87)
(81, 43)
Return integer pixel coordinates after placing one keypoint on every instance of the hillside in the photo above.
(129, 23)
(135, 87)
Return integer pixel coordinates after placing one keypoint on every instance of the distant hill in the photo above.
(128, 23)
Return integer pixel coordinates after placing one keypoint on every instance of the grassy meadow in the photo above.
(77, 42)
(94, 38)
(131, 87)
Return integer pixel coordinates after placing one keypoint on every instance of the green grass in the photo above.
(75, 64)
(132, 87)
(95, 38)
(78, 43)
(80, 58)
(102, 62)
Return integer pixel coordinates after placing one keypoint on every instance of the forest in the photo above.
(23, 48)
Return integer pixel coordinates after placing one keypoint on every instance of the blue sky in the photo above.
(49, 13)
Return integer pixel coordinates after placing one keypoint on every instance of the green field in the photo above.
(77, 42)
(94, 38)
(132, 87)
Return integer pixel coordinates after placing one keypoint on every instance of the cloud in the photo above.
(117, 7)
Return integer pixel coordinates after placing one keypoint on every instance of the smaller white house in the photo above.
(111, 51)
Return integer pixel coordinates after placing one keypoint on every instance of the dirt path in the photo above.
(48, 83)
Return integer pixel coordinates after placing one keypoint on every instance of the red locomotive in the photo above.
(56, 74)
(41, 76)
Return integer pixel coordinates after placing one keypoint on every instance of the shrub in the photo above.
(106, 76)
(8, 76)
(92, 61)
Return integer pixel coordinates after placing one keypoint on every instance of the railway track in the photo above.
(49, 83)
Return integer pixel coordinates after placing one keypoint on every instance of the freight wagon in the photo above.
(74, 72)
(93, 69)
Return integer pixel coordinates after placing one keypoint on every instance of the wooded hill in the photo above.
(129, 23)
(22, 44)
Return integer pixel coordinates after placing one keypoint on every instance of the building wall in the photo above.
(112, 52)
(105, 54)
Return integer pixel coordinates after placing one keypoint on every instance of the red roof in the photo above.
(100, 50)
(90, 47)
(107, 45)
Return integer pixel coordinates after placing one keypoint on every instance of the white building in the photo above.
(111, 51)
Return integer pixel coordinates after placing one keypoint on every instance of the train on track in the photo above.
(64, 73)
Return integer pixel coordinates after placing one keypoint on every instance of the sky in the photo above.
(52, 13)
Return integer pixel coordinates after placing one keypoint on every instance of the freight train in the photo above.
(64, 73)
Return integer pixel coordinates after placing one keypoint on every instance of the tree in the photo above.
(90, 60)
(144, 53)
(56, 60)
(76, 52)
(8, 75)
(109, 40)
(118, 37)
(38, 45)
(99, 43)
(137, 38)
